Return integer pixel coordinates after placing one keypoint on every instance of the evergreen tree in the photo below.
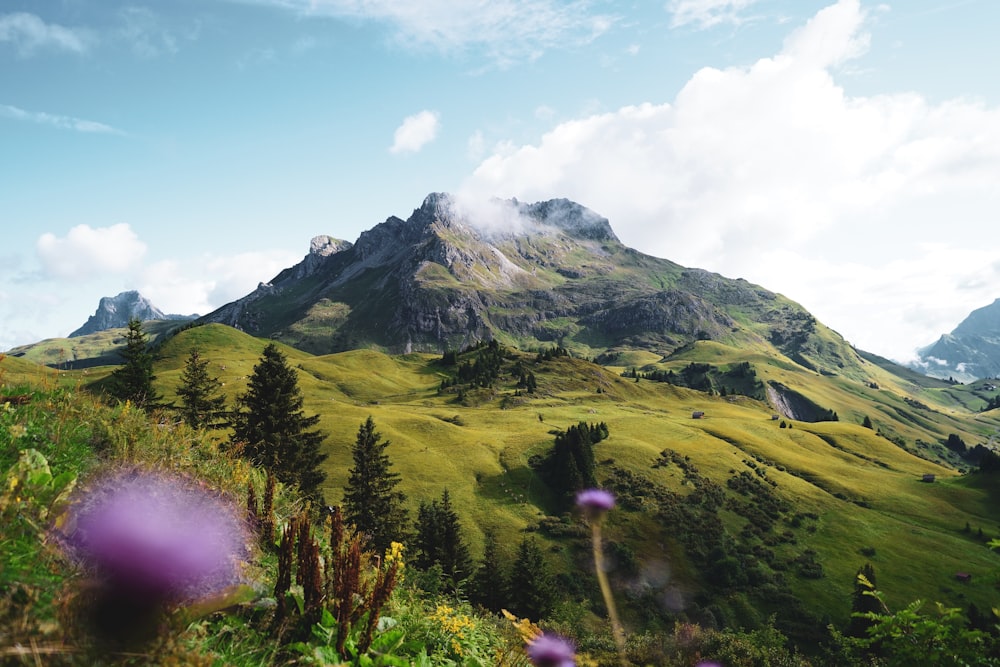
(272, 428)
(862, 602)
(439, 541)
(534, 593)
(371, 501)
(202, 406)
(133, 380)
(489, 584)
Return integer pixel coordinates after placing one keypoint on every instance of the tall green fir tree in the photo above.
(371, 501)
(439, 541)
(274, 431)
(202, 404)
(532, 592)
(133, 380)
(489, 585)
(863, 602)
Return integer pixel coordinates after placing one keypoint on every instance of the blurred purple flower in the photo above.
(164, 538)
(551, 651)
(595, 501)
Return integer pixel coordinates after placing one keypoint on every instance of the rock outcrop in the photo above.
(114, 312)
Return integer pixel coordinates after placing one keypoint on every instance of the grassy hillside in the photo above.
(96, 349)
(840, 494)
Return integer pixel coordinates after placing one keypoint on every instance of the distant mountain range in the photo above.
(115, 311)
(532, 275)
(971, 351)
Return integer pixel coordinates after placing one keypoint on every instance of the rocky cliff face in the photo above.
(971, 351)
(529, 274)
(241, 313)
(115, 312)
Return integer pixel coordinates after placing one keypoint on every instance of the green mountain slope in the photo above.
(801, 505)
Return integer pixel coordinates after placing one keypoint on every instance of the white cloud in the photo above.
(86, 252)
(55, 120)
(416, 132)
(752, 167)
(205, 283)
(704, 14)
(28, 33)
(507, 30)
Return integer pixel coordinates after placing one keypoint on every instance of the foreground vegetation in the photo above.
(736, 537)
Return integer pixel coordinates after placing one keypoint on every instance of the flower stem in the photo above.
(609, 601)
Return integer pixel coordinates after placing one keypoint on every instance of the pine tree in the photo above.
(133, 380)
(489, 584)
(534, 593)
(862, 602)
(273, 430)
(202, 406)
(439, 541)
(371, 501)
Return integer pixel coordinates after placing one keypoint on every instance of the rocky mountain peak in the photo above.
(320, 248)
(969, 352)
(572, 218)
(983, 321)
(114, 312)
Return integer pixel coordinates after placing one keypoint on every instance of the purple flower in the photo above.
(595, 501)
(157, 537)
(551, 651)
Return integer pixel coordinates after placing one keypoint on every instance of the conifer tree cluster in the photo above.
(525, 586)
(485, 370)
(570, 466)
(439, 542)
(550, 353)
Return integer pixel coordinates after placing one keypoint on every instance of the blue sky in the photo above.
(845, 154)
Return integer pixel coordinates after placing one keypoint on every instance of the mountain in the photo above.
(531, 275)
(971, 351)
(115, 312)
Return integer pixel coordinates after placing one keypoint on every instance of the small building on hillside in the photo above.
(963, 576)
(697, 414)
(928, 477)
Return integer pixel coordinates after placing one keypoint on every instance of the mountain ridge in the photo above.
(552, 272)
(970, 352)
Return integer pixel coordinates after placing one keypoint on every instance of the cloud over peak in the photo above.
(86, 252)
(749, 166)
